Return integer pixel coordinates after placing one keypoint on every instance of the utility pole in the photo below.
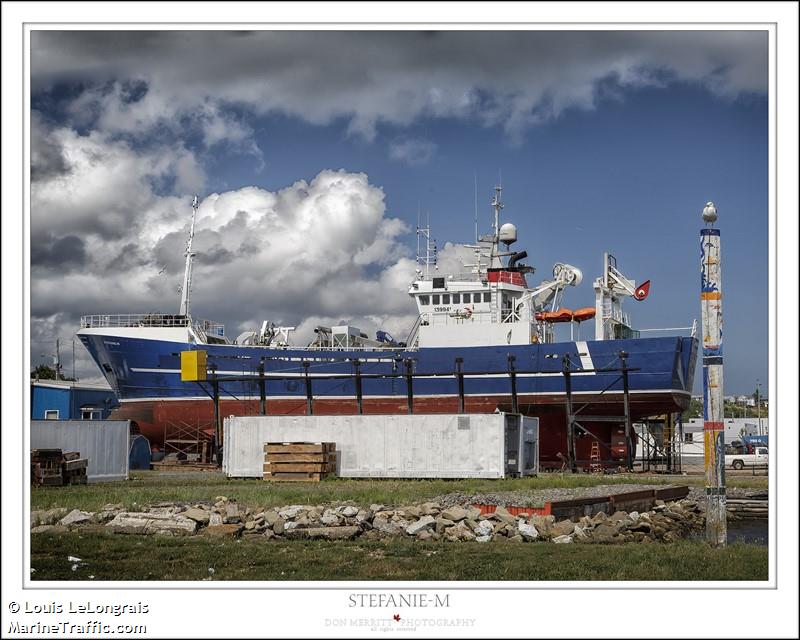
(56, 358)
(713, 403)
(758, 405)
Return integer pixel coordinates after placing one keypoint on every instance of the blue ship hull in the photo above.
(146, 376)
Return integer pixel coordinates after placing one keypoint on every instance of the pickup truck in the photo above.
(740, 460)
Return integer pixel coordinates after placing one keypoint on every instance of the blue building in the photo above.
(64, 400)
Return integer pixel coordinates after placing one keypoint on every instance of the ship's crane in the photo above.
(610, 288)
(547, 296)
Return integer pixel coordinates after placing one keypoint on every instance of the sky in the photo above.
(314, 154)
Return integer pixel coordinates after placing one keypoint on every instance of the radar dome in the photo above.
(508, 233)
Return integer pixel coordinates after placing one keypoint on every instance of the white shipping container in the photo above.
(103, 442)
(393, 446)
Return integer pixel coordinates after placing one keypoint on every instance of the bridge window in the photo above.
(424, 300)
(436, 298)
(467, 298)
(445, 298)
(487, 296)
(456, 298)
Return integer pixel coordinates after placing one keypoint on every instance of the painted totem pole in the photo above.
(713, 407)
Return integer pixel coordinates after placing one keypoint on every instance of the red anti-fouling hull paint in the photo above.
(155, 418)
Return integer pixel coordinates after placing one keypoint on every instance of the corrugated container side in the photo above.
(377, 446)
(105, 443)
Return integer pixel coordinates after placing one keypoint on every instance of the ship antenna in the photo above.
(187, 273)
(476, 207)
(497, 205)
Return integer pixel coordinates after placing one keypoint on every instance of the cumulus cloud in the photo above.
(311, 253)
(512, 79)
(108, 184)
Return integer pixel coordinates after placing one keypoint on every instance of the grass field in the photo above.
(121, 557)
(147, 487)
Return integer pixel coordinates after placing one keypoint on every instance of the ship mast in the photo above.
(187, 274)
(497, 205)
(430, 257)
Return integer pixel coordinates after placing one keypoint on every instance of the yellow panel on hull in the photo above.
(193, 366)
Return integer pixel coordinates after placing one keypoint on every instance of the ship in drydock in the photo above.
(484, 340)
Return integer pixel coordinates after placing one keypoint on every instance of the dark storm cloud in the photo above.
(130, 256)
(391, 77)
(47, 157)
(68, 252)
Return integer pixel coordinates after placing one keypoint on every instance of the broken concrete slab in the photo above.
(198, 515)
(527, 531)
(75, 518)
(149, 523)
(292, 511)
(47, 516)
(454, 513)
(563, 528)
(325, 533)
(425, 523)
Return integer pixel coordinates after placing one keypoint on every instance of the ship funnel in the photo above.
(512, 261)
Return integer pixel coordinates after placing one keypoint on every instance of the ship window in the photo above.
(687, 437)
(424, 300)
(456, 298)
(51, 414)
(467, 298)
(487, 296)
(436, 298)
(445, 298)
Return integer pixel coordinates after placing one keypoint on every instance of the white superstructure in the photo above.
(491, 304)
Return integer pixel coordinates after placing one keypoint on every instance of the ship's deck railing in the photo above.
(456, 277)
(149, 320)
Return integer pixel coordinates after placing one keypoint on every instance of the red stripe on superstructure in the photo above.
(510, 277)
(713, 426)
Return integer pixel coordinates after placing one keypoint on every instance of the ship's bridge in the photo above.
(463, 309)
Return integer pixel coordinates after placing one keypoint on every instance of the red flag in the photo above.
(642, 290)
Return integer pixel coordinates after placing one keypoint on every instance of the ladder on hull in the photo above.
(595, 464)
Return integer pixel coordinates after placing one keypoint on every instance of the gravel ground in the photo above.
(539, 497)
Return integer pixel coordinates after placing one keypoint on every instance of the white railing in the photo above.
(456, 277)
(149, 320)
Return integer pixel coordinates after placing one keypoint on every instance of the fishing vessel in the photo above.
(484, 340)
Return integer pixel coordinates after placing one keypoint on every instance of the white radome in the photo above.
(709, 212)
(508, 233)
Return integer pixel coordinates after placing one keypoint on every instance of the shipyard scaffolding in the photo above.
(660, 447)
(597, 462)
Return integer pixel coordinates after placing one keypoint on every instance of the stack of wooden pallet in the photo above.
(299, 461)
(52, 467)
(73, 469)
(46, 467)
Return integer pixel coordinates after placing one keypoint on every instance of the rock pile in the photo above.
(429, 521)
